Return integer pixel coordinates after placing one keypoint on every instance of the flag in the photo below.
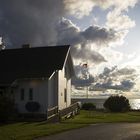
(85, 65)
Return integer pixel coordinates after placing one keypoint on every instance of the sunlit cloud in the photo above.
(119, 21)
(113, 56)
(80, 8)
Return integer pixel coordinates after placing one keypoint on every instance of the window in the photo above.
(1, 93)
(65, 71)
(65, 95)
(30, 94)
(22, 94)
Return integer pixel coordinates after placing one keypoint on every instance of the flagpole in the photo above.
(87, 85)
(87, 91)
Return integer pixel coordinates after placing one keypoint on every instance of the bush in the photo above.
(88, 106)
(32, 106)
(7, 109)
(117, 104)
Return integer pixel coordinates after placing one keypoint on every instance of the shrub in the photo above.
(117, 104)
(88, 106)
(32, 106)
(7, 109)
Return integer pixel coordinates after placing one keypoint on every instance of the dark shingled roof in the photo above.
(34, 62)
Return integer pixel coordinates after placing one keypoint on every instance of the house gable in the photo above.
(37, 62)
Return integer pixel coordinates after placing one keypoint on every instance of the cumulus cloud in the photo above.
(81, 40)
(117, 79)
(98, 34)
(124, 71)
(69, 33)
(125, 85)
(118, 21)
(79, 8)
(111, 78)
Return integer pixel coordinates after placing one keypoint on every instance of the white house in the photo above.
(40, 74)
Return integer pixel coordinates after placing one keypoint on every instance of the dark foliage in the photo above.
(7, 109)
(88, 106)
(117, 104)
(32, 106)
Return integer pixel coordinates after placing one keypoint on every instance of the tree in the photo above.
(7, 108)
(117, 104)
(88, 106)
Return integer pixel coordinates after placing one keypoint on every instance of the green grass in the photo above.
(89, 117)
(28, 131)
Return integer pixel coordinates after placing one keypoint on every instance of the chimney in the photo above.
(26, 46)
(2, 46)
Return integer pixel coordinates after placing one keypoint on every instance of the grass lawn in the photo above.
(28, 131)
(89, 117)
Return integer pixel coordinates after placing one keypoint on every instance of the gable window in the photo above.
(65, 95)
(30, 94)
(22, 94)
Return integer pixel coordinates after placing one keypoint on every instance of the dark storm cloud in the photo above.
(29, 21)
(98, 34)
(86, 54)
(69, 33)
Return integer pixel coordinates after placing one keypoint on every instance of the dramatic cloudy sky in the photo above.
(103, 34)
